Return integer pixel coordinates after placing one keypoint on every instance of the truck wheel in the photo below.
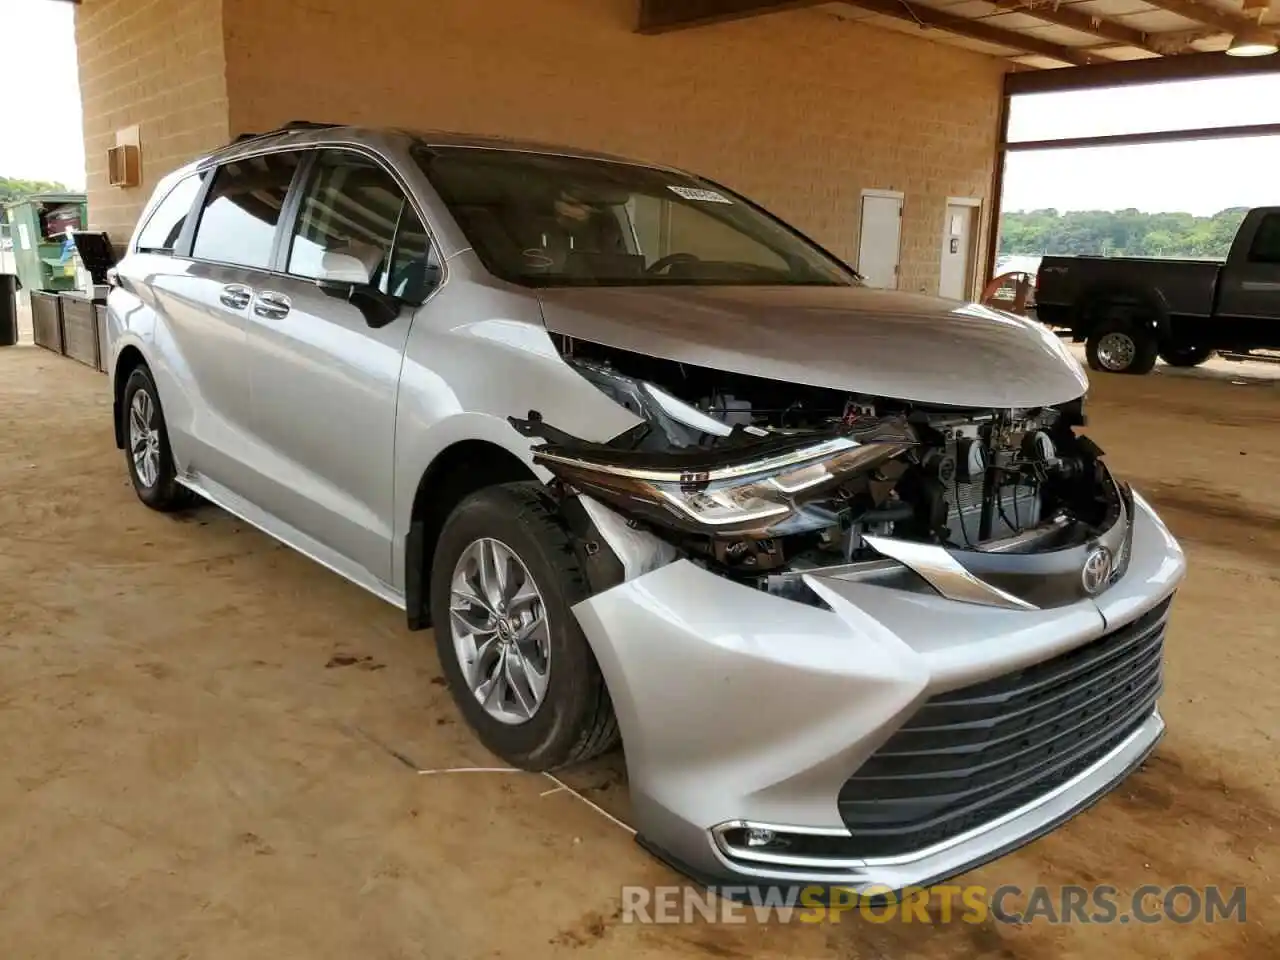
(519, 667)
(1185, 356)
(1120, 347)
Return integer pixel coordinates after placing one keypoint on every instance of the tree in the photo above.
(12, 188)
(1119, 233)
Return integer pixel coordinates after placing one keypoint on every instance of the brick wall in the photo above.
(798, 110)
(158, 64)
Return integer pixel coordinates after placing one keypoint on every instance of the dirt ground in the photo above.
(208, 741)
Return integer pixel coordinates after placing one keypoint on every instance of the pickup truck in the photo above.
(1128, 310)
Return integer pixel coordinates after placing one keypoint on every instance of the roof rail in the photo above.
(291, 125)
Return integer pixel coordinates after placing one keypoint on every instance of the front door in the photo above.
(880, 239)
(1248, 309)
(956, 267)
(324, 382)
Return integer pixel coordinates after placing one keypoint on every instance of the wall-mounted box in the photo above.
(123, 165)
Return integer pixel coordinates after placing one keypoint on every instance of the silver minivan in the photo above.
(836, 565)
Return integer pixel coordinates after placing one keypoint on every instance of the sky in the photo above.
(1199, 177)
(41, 135)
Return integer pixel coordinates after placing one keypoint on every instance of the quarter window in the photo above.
(160, 235)
(356, 224)
(243, 208)
(1266, 242)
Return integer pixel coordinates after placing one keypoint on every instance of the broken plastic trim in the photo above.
(691, 416)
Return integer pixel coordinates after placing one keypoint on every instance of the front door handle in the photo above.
(236, 296)
(271, 305)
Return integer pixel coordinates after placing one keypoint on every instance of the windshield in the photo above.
(544, 220)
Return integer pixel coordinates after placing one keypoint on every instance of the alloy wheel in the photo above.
(144, 438)
(498, 622)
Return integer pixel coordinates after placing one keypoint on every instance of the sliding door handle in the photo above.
(235, 296)
(271, 305)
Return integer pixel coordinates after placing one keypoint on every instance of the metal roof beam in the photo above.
(928, 17)
(663, 16)
(1120, 73)
(1155, 136)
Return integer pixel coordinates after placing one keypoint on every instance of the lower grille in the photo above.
(972, 755)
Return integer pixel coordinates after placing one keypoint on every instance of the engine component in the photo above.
(1038, 446)
(1016, 506)
(971, 457)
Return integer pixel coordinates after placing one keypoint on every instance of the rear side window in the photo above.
(161, 233)
(1266, 242)
(242, 210)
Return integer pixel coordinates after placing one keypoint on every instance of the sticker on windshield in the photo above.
(693, 193)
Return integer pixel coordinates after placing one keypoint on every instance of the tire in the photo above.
(1118, 345)
(153, 474)
(1185, 356)
(573, 720)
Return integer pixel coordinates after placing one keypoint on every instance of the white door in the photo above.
(957, 252)
(880, 239)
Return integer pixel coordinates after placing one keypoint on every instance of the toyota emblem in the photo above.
(1097, 570)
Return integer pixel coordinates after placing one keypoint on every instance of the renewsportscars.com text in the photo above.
(946, 903)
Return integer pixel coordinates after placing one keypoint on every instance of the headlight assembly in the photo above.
(750, 487)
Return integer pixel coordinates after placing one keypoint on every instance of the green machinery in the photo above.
(37, 227)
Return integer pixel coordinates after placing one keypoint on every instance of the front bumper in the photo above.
(741, 710)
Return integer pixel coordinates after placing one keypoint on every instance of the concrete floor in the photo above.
(208, 740)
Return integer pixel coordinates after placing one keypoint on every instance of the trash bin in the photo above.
(8, 309)
(38, 226)
(46, 320)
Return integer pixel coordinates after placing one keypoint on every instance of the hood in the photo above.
(876, 342)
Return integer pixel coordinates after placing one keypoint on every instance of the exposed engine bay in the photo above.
(754, 477)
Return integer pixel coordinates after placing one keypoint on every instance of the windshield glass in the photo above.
(544, 220)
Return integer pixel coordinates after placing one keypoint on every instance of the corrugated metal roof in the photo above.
(1031, 32)
(1067, 36)
(1112, 8)
(1129, 53)
(1160, 21)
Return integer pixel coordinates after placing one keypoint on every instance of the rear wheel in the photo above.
(1121, 346)
(504, 578)
(1185, 356)
(147, 446)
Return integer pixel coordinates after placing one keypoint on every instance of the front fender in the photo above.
(417, 449)
(462, 381)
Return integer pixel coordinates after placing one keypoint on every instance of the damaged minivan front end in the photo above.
(764, 482)
(855, 639)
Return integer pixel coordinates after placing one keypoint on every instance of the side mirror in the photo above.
(344, 268)
(378, 308)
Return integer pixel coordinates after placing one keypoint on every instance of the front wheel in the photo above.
(1117, 346)
(503, 580)
(1185, 356)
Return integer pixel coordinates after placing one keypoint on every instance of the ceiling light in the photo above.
(1252, 42)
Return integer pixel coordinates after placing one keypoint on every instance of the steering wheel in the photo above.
(670, 260)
